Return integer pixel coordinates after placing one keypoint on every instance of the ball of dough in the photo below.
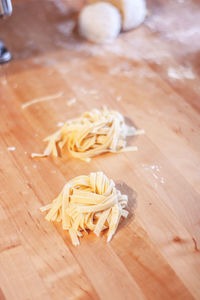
(133, 11)
(100, 22)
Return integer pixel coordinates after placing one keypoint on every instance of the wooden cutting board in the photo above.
(150, 75)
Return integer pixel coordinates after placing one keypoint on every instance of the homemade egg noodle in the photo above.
(88, 202)
(95, 132)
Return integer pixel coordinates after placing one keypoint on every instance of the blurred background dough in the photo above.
(100, 22)
(133, 11)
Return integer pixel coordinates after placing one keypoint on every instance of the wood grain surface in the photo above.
(152, 76)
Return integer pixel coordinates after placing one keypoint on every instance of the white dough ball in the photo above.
(133, 11)
(100, 22)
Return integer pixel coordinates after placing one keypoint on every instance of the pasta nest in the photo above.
(95, 132)
(88, 203)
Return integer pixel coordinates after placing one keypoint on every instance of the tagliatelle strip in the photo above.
(95, 132)
(88, 203)
(46, 98)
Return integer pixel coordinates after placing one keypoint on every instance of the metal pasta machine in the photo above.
(5, 10)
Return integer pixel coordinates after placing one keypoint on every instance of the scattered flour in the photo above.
(155, 168)
(184, 36)
(155, 171)
(67, 27)
(155, 176)
(183, 29)
(63, 9)
(128, 46)
(71, 101)
(60, 124)
(162, 180)
(181, 73)
(12, 148)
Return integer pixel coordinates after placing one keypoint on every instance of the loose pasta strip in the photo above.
(95, 132)
(88, 203)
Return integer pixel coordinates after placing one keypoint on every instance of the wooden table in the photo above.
(152, 76)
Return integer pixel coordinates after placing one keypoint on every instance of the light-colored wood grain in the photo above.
(151, 75)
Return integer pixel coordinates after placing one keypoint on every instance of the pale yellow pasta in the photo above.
(88, 203)
(95, 132)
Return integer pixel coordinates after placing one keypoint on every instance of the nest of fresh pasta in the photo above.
(93, 133)
(88, 203)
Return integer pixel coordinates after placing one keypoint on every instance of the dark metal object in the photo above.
(5, 10)
(5, 55)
